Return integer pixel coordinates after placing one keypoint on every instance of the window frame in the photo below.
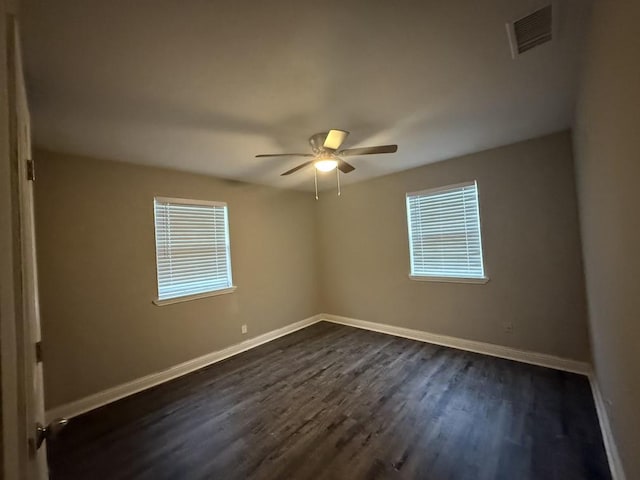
(445, 279)
(194, 296)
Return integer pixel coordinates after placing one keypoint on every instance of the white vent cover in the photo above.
(530, 31)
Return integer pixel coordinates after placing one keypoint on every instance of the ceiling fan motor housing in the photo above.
(317, 142)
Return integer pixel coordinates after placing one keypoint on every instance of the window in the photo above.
(444, 234)
(192, 249)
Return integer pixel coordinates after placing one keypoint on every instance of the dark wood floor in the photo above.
(335, 402)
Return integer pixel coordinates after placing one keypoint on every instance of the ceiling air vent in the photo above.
(530, 31)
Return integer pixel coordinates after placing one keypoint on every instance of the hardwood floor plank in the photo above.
(333, 402)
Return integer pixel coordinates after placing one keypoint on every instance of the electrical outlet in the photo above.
(244, 329)
(507, 327)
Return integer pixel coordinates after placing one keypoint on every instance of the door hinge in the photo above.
(31, 170)
(38, 352)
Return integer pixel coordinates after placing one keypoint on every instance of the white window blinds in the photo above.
(192, 247)
(444, 232)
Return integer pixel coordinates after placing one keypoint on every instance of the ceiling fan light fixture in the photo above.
(327, 155)
(325, 165)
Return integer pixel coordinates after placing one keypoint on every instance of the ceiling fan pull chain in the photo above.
(338, 180)
(315, 180)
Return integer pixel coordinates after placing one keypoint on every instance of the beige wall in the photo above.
(607, 143)
(294, 257)
(96, 258)
(531, 250)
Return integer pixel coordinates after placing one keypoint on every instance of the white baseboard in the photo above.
(99, 399)
(104, 397)
(524, 356)
(615, 464)
(541, 359)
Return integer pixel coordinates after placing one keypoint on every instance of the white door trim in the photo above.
(615, 463)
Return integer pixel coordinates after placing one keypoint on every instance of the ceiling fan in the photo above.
(327, 155)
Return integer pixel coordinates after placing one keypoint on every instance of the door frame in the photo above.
(11, 426)
(19, 460)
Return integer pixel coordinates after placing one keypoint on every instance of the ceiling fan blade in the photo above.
(334, 139)
(349, 152)
(295, 169)
(284, 155)
(345, 167)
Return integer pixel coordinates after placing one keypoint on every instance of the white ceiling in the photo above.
(203, 85)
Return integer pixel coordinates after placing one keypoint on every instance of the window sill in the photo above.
(449, 279)
(188, 298)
